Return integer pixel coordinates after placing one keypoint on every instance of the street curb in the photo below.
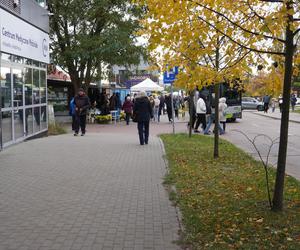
(172, 188)
(274, 118)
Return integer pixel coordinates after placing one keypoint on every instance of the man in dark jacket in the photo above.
(168, 101)
(82, 103)
(143, 112)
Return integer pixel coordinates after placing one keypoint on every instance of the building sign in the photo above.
(134, 80)
(22, 39)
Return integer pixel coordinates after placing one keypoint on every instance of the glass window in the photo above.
(18, 87)
(43, 65)
(5, 79)
(43, 117)
(19, 123)
(36, 63)
(28, 121)
(43, 86)
(37, 119)
(6, 127)
(36, 86)
(28, 86)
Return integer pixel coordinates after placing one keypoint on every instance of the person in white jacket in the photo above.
(222, 114)
(201, 114)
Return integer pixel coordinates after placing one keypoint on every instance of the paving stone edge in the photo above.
(172, 188)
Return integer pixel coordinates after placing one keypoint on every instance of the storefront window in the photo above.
(35, 63)
(5, 79)
(43, 86)
(37, 119)
(43, 117)
(6, 126)
(28, 86)
(18, 87)
(36, 86)
(28, 121)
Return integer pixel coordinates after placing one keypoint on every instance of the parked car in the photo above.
(298, 101)
(252, 103)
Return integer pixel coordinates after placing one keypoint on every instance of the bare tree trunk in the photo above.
(281, 163)
(191, 111)
(217, 95)
(216, 129)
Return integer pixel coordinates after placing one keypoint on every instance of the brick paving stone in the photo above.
(101, 191)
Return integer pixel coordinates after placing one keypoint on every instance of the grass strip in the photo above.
(56, 129)
(224, 201)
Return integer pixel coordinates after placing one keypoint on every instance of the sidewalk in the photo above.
(101, 191)
(294, 117)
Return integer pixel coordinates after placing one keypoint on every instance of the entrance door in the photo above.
(12, 105)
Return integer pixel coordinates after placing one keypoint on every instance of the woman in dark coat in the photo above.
(143, 112)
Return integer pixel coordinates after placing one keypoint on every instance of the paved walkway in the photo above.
(101, 191)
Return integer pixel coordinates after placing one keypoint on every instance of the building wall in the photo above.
(24, 54)
(30, 11)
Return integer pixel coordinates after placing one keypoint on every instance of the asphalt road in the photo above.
(252, 125)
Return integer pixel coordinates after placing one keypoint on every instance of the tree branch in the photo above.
(239, 26)
(240, 44)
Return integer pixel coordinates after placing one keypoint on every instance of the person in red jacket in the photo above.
(127, 107)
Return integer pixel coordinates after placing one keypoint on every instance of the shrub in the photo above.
(103, 119)
(56, 129)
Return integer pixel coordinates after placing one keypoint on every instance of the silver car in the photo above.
(252, 103)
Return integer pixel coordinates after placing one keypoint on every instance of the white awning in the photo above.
(146, 85)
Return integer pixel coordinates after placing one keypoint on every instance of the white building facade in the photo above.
(24, 55)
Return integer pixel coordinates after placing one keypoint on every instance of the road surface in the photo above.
(252, 125)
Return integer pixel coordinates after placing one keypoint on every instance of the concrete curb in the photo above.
(274, 118)
(172, 188)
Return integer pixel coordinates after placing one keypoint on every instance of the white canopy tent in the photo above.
(146, 85)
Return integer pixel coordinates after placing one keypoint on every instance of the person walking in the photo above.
(273, 105)
(156, 108)
(222, 112)
(128, 108)
(161, 107)
(82, 103)
(201, 114)
(280, 102)
(293, 102)
(168, 100)
(72, 113)
(176, 106)
(266, 101)
(143, 112)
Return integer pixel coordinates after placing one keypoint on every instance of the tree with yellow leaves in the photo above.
(264, 27)
(206, 56)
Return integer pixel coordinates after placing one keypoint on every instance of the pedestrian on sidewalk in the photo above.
(201, 114)
(143, 112)
(266, 101)
(280, 102)
(82, 103)
(222, 112)
(293, 102)
(273, 105)
(168, 100)
(72, 113)
(161, 107)
(156, 108)
(128, 108)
